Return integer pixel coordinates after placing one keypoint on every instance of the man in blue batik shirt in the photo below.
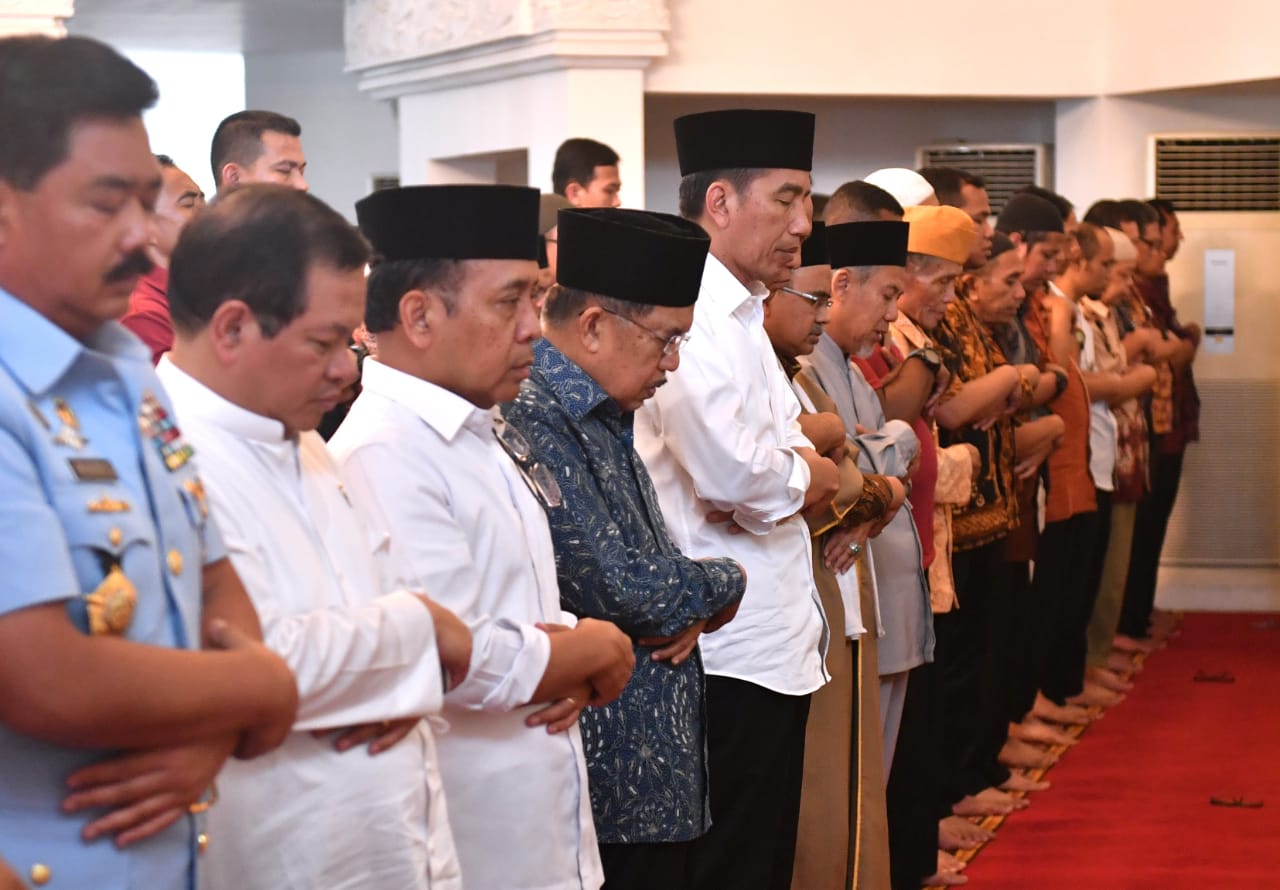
(613, 329)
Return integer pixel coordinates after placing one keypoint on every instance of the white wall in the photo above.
(853, 136)
(874, 48)
(347, 137)
(442, 131)
(196, 91)
(944, 48)
(1165, 44)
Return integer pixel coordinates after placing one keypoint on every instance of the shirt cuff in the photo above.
(507, 664)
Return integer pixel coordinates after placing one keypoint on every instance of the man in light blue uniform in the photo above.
(113, 722)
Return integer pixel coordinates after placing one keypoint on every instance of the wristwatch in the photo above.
(929, 356)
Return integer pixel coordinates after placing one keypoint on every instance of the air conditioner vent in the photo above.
(383, 181)
(1218, 173)
(1005, 167)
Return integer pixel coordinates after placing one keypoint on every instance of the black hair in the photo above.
(693, 188)
(238, 139)
(166, 162)
(576, 161)
(1164, 207)
(1064, 206)
(257, 244)
(49, 85)
(948, 182)
(390, 280)
(1104, 213)
(860, 200)
(1137, 212)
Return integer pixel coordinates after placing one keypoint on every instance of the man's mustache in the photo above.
(136, 263)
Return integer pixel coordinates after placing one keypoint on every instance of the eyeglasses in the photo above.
(813, 299)
(541, 481)
(670, 344)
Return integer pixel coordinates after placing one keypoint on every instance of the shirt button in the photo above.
(40, 874)
(115, 537)
(202, 842)
(174, 559)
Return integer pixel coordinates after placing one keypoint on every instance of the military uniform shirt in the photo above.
(94, 477)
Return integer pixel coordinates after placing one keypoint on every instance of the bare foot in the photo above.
(1124, 643)
(1107, 679)
(1041, 733)
(1021, 782)
(945, 879)
(1022, 753)
(956, 833)
(948, 873)
(1067, 715)
(1122, 663)
(1095, 694)
(988, 802)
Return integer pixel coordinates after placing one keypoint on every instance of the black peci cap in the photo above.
(634, 255)
(814, 250)
(868, 243)
(455, 222)
(1029, 213)
(744, 138)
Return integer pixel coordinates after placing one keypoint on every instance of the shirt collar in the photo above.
(1096, 306)
(446, 412)
(911, 332)
(573, 387)
(38, 352)
(723, 292)
(1056, 291)
(194, 399)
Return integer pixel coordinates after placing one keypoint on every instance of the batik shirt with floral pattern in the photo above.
(646, 752)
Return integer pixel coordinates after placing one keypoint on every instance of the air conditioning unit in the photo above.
(1226, 187)
(1217, 172)
(1006, 166)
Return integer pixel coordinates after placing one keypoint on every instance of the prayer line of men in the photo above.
(582, 554)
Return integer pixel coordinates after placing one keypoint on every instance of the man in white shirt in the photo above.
(458, 500)
(314, 814)
(722, 438)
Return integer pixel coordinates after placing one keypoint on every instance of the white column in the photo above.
(489, 98)
(35, 17)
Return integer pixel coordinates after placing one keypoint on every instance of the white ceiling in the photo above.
(212, 25)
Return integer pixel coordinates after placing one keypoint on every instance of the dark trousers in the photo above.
(972, 654)
(913, 796)
(1021, 642)
(1059, 594)
(1068, 642)
(755, 748)
(1149, 527)
(645, 866)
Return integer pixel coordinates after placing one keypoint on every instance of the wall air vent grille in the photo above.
(383, 181)
(1005, 167)
(1218, 173)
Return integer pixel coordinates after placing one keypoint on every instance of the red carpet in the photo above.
(1129, 807)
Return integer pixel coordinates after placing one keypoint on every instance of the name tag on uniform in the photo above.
(93, 469)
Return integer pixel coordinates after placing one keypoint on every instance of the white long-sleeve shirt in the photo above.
(720, 436)
(306, 816)
(426, 470)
